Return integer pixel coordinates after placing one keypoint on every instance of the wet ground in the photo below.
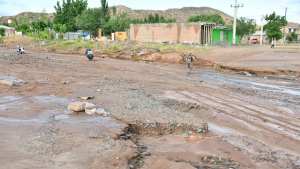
(253, 122)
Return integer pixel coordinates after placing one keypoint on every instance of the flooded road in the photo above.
(253, 122)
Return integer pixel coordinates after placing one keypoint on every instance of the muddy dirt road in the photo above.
(254, 122)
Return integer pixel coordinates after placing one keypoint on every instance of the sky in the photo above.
(253, 9)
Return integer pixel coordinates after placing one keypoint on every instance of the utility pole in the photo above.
(262, 30)
(235, 6)
(284, 36)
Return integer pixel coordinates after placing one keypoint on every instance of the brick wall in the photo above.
(172, 32)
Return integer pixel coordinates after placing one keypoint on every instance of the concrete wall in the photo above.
(172, 32)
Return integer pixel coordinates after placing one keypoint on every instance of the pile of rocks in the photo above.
(88, 108)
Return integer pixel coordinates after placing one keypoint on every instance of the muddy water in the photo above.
(276, 86)
(282, 91)
(258, 115)
(38, 132)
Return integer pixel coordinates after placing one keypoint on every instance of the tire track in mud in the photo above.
(260, 141)
(243, 123)
(253, 108)
(231, 108)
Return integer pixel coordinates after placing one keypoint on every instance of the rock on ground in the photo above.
(11, 81)
(90, 108)
(77, 106)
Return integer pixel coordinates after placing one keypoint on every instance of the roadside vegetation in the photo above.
(215, 18)
(74, 15)
(274, 25)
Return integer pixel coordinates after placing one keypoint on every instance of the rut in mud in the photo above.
(139, 130)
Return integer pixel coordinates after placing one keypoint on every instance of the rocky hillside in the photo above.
(27, 17)
(181, 15)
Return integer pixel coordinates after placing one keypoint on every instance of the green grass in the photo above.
(180, 48)
(70, 45)
(114, 48)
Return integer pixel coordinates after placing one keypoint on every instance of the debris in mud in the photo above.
(212, 162)
(159, 129)
(11, 81)
(138, 160)
(65, 82)
(87, 97)
(139, 129)
(246, 74)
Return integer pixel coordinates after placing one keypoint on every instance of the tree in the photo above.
(116, 23)
(153, 19)
(2, 32)
(61, 28)
(274, 26)
(105, 10)
(39, 26)
(24, 28)
(90, 20)
(245, 27)
(291, 37)
(67, 12)
(215, 18)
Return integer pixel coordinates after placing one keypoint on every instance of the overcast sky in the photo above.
(252, 8)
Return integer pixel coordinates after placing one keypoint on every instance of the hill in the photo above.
(181, 15)
(27, 17)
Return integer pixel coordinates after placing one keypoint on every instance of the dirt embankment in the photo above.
(255, 60)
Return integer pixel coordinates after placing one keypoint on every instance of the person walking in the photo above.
(189, 61)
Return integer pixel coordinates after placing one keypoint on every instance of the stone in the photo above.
(77, 106)
(247, 74)
(102, 112)
(11, 81)
(90, 109)
(87, 97)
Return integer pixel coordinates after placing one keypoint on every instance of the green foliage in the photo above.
(24, 28)
(39, 26)
(292, 37)
(61, 28)
(274, 25)
(90, 20)
(2, 32)
(117, 23)
(71, 45)
(215, 18)
(67, 12)
(245, 27)
(105, 10)
(41, 35)
(153, 19)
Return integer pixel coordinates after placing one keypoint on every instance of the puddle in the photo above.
(11, 81)
(17, 110)
(220, 130)
(14, 120)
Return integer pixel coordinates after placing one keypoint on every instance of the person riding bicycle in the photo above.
(89, 54)
(20, 50)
